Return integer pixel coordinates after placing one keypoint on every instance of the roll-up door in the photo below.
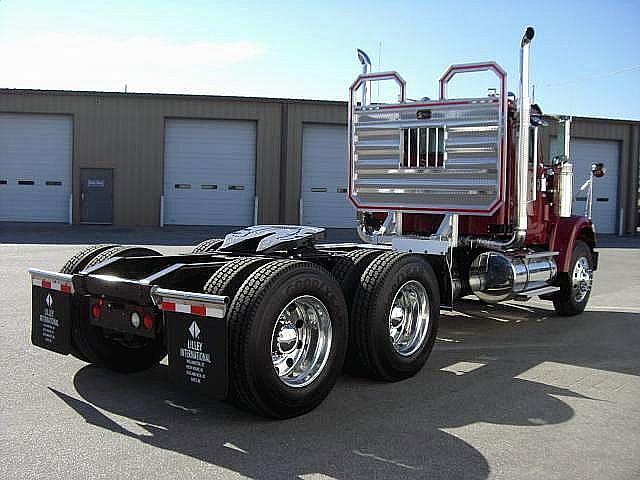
(324, 177)
(209, 172)
(35, 167)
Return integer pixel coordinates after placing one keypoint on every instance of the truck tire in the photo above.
(575, 285)
(74, 265)
(395, 316)
(349, 268)
(120, 251)
(134, 356)
(347, 271)
(287, 338)
(80, 260)
(206, 246)
(227, 280)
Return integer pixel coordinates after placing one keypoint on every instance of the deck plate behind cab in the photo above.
(268, 238)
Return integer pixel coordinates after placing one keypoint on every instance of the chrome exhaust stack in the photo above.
(522, 159)
(391, 225)
(363, 58)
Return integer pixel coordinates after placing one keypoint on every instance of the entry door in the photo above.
(96, 195)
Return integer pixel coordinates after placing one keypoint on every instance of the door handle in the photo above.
(82, 196)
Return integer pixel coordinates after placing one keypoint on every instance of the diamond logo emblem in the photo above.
(194, 330)
(49, 300)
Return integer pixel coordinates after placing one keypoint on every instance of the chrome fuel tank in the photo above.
(496, 276)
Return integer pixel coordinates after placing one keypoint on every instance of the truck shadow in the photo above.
(368, 429)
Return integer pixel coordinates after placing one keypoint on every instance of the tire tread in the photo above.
(362, 306)
(208, 245)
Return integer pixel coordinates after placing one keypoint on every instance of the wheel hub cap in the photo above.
(409, 318)
(287, 338)
(582, 278)
(301, 341)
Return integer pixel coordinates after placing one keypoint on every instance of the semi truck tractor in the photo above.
(454, 197)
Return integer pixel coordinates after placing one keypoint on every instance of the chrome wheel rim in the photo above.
(301, 341)
(581, 280)
(409, 318)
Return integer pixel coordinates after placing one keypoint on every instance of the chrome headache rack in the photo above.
(437, 156)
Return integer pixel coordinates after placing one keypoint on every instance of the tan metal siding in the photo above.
(126, 133)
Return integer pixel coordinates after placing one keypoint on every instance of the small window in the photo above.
(318, 189)
(53, 183)
(182, 186)
(3, 182)
(236, 187)
(26, 182)
(423, 147)
(208, 187)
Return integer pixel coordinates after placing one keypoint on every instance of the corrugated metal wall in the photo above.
(126, 132)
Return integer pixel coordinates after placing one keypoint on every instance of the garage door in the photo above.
(35, 167)
(583, 153)
(209, 172)
(324, 177)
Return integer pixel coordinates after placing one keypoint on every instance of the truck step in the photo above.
(526, 296)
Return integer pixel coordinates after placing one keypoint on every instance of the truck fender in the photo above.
(564, 235)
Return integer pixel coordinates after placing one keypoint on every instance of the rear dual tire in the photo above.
(76, 264)
(91, 343)
(394, 317)
(287, 338)
(208, 246)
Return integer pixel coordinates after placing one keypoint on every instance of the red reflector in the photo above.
(147, 321)
(199, 310)
(168, 306)
(46, 284)
(65, 288)
(100, 301)
(95, 310)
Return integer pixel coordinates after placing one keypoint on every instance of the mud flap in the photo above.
(51, 319)
(197, 347)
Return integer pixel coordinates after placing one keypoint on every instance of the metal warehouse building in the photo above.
(150, 159)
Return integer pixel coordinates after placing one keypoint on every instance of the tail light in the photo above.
(147, 321)
(96, 311)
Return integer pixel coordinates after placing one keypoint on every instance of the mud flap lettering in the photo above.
(198, 352)
(51, 319)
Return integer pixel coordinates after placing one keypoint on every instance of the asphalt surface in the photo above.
(510, 391)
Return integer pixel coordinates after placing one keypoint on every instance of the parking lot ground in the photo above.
(511, 392)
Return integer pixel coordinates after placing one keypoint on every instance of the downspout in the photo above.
(522, 160)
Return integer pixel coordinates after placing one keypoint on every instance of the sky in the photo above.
(585, 57)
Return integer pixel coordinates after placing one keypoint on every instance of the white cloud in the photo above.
(83, 62)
